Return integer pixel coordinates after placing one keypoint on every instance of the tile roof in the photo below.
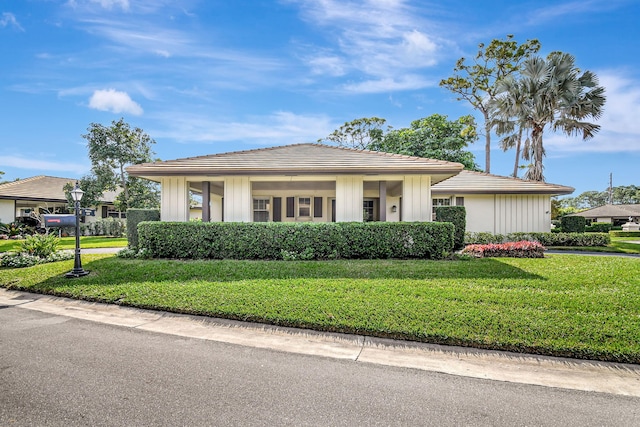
(610, 211)
(42, 188)
(469, 182)
(313, 159)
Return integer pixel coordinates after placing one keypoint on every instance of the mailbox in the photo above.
(59, 220)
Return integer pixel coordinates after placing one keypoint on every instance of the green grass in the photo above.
(562, 305)
(70, 243)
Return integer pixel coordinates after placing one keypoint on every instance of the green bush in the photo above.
(625, 233)
(598, 227)
(372, 240)
(457, 215)
(546, 239)
(136, 216)
(573, 224)
(39, 245)
(112, 227)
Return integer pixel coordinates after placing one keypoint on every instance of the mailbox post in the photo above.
(76, 195)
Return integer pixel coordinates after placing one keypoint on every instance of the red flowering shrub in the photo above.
(521, 249)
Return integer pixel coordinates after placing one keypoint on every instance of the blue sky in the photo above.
(211, 76)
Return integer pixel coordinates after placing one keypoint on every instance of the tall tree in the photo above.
(477, 82)
(358, 133)
(552, 94)
(433, 137)
(111, 150)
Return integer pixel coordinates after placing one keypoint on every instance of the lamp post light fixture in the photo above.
(76, 195)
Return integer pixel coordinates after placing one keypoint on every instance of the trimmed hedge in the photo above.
(228, 240)
(573, 224)
(457, 215)
(625, 233)
(598, 227)
(136, 216)
(546, 239)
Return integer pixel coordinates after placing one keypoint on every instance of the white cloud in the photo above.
(620, 127)
(110, 4)
(114, 101)
(43, 165)
(377, 38)
(389, 84)
(10, 19)
(278, 128)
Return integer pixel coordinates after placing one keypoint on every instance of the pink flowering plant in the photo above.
(521, 249)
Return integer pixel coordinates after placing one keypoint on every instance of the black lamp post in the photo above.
(76, 195)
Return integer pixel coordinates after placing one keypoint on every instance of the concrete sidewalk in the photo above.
(615, 378)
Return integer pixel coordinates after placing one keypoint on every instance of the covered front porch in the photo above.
(299, 198)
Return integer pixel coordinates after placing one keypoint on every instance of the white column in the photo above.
(174, 199)
(416, 198)
(237, 199)
(349, 195)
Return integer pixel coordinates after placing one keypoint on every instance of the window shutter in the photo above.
(291, 207)
(277, 209)
(317, 207)
(104, 211)
(459, 201)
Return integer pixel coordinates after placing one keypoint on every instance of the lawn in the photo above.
(562, 305)
(70, 243)
(617, 245)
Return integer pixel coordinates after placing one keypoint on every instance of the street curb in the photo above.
(594, 376)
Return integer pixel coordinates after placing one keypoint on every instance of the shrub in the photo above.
(573, 224)
(39, 245)
(598, 227)
(546, 239)
(136, 216)
(625, 233)
(21, 260)
(457, 215)
(521, 249)
(373, 240)
(112, 227)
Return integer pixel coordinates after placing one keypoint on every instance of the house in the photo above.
(322, 183)
(498, 204)
(25, 199)
(613, 214)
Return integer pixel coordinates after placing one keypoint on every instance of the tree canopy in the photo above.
(111, 149)
(477, 82)
(358, 133)
(433, 137)
(551, 94)
(621, 195)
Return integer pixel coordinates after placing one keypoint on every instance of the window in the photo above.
(439, 202)
(304, 206)
(261, 209)
(368, 210)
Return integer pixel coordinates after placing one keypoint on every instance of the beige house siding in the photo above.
(174, 204)
(416, 200)
(507, 213)
(349, 195)
(7, 211)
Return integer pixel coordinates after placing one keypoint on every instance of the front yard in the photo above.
(563, 305)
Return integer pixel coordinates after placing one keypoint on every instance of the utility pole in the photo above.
(610, 188)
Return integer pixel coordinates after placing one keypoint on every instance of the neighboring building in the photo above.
(614, 214)
(26, 199)
(315, 182)
(498, 204)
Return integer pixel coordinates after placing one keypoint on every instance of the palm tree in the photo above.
(549, 94)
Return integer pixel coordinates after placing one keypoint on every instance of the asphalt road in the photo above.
(60, 371)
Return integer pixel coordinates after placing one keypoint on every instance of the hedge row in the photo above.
(219, 240)
(457, 215)
(136, 216)
(625, 233)
(546, 239)
(573, 224)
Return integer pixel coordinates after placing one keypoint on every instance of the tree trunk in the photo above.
(487, 146)
(518, 144)
(535, 172)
